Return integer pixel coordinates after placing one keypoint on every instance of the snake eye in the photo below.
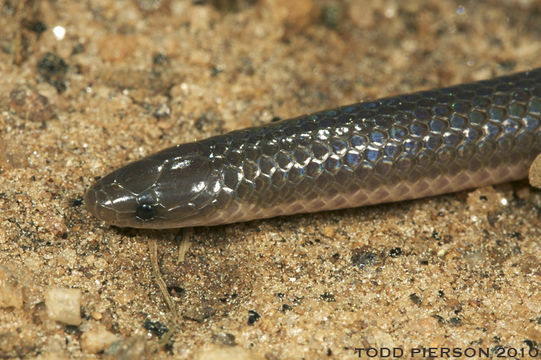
(145, 212)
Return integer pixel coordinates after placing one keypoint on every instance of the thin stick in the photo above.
(153, 247)
(186, 234)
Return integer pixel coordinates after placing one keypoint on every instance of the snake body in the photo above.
(396, 148)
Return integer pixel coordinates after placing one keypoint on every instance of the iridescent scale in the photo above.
(392, 149)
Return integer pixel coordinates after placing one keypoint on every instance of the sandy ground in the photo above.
(128, 78)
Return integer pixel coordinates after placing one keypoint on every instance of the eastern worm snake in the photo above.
(396, 148)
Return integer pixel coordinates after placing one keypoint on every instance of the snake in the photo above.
(395, 148)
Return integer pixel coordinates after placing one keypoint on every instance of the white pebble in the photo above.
(11, 292)
(97, 340)
(64, 305)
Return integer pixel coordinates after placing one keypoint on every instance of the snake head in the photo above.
(164, 190)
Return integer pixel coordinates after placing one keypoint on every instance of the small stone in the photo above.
(225, 353)
(53, 69)
(34, 25)
(293, 15)
(524, 192)
(11, 292)
(329, 231)
(152, 5)
(224, 338)
(199, 314)
(156, 327)
(30, 105)
(361, 15)
(416, 299)
(533, 333)
(64, 305)
(230, 5)
(96, 315)
(53, 355)
(133, 348)
(55, 224)
(117, 47)
(425, 326)
(327, 296)
(363, 257)
(162, 111)
(18, 344)
(253, 316)
(97, 340)
(202, 18)
(331, 15)
(487, 199)
(535, 172)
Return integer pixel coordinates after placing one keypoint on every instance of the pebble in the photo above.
(361, 16)
(30, 105)
(331, 15)
(532, 332)
(293, 15)
(64, 305)
(202, 18)
(11, 292)
(53, 355)
(133, 348)
(53, 69)
(55, 224)
(198, 314)
(19, 343)
(152, 5)
(97, 339)
(425, 325)
(96, 315)
(225, 353)
(117, 47)
(329, 231)
(487, 199)
(224, 338)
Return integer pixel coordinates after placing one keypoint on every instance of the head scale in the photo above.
(165, 190)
